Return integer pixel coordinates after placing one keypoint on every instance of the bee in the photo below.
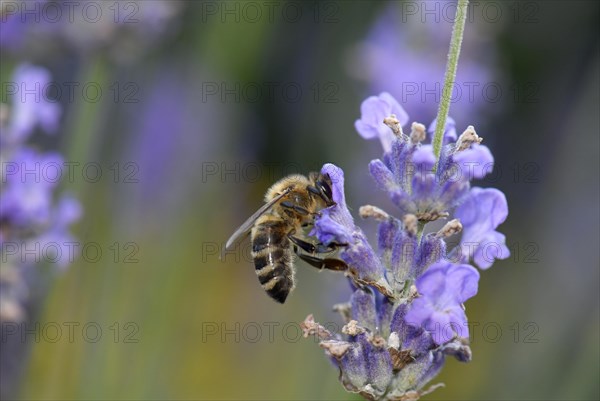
(276, 232)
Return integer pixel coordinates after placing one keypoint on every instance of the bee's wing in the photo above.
(243, 230)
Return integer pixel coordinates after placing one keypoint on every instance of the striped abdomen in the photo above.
(273, 257)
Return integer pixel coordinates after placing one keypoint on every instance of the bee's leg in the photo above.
(311, 248)
(326, 263)
(298, 209)
(304, 245)
(314, 190)
(333, 246)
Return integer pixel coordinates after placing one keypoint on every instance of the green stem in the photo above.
(420, 229)
(453, 54)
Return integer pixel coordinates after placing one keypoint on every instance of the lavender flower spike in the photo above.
(406, 313)
(408, 171)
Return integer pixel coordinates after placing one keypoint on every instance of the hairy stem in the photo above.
(450, 76)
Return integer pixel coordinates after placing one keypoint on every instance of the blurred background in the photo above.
(176, 116)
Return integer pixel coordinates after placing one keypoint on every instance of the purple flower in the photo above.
(364, 309)
(12, 31)
(33, 228)
(449, 130)
(406, 257)
(30, 180)
(31, 107)
(411, 338)
(480, 214)
(58, 237)
(416, 375)
(337, 225)
(366, 367)
(16, 23)
(373, 111)
(443, 288)
(471, 163)
(407, 173)
(372, 363)
(406, 313)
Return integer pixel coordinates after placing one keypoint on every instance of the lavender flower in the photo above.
(449, 129)
(406, 313)
(481, 213)
(337, 225)
(420, 186)
(374, 110)
(14, 23)
(443, 288)
(31, 108)
(30, 218)
(27, 198)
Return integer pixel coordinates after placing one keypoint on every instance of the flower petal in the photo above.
(383, 176)
(363, 309)
(395, 108)
(449, 130)
(480, 213)
(443, 288)
(373, 111)
(462, 280)
(424, 159)
(337, 225)
(475, 162)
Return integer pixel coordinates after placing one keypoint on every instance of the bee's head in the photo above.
(322, 187)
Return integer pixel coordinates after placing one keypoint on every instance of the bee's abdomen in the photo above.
(273, 259)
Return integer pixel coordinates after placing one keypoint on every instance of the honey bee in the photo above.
(276, 231)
